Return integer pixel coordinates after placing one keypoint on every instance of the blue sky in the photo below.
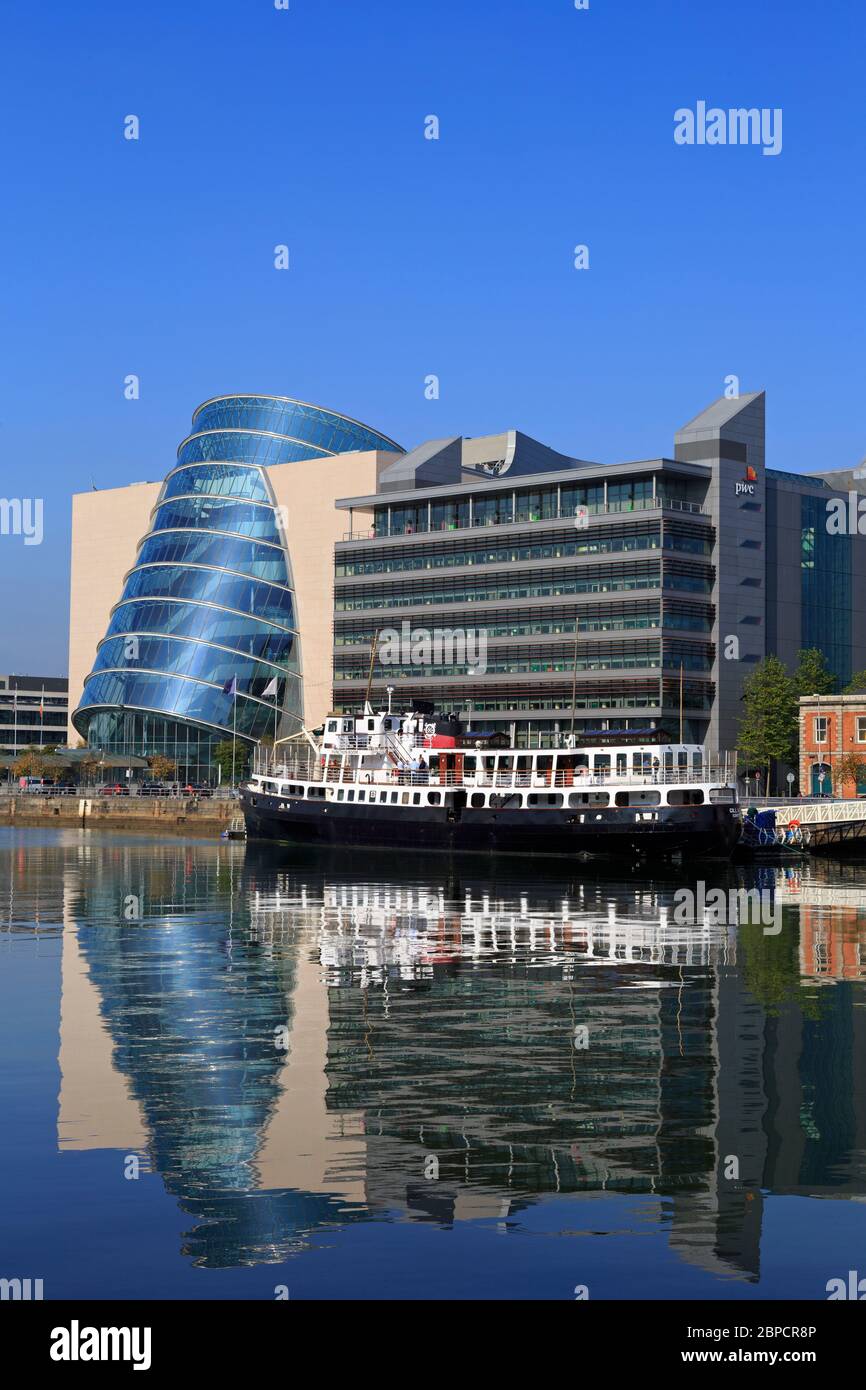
(409, 256)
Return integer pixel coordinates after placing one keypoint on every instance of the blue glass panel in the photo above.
(216, 514)
(247, 635)
(256, 558)
(176, 656)
(190, 699)
(261, 449)
(312, 424)
(213, 586)
(217, 479)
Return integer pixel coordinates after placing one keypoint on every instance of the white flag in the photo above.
(271, 688)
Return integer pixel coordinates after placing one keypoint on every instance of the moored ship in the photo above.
(414, 781)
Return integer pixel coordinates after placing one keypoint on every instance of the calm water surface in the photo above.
(226, 1070)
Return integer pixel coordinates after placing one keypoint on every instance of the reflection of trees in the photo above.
(772, 967)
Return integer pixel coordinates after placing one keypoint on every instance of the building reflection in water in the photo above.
(458, 1047)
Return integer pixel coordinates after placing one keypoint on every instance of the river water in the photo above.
(231, 1071)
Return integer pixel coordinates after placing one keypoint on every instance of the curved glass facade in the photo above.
(210, 599)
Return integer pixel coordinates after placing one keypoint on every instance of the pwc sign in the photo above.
(747, 487)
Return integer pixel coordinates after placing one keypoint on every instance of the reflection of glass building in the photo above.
(433, 1025)
(210, 598)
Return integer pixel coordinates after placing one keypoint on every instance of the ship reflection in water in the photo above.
(295, 1049)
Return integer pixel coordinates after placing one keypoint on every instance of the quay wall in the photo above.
(144, 815)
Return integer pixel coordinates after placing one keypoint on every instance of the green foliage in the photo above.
(223, 758)
(772, 967)
(769, 726)
(812, 675)
(856, 685)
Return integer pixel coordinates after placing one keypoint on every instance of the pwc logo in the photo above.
(747, 487)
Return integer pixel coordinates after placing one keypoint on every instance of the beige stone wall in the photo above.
(307, 492)
(106, 529)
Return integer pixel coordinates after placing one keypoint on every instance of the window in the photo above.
(821, 721)
(861, 728)
(433, 798)
(690, 797)
(638, 798)
(476, 799)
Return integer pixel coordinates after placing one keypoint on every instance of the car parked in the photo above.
(198, 789)
(114, 789)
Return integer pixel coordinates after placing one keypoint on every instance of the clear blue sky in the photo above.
(410, 256)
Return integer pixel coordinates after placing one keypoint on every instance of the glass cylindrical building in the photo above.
(203, 642)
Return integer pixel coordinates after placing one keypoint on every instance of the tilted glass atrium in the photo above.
(210, 599)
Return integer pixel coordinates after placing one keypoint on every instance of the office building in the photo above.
(34, 712)
(536, 593)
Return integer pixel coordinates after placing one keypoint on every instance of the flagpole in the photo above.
(234, 734)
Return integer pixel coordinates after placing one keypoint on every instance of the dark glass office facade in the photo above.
(825, 597)
(607, 621)
(209, 603)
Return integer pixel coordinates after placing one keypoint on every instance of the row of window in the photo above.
(380, 796)
(29, 719)
(627, 660)
(694, 697)
(821, 727)
(513, 626)
(473, 590)
(552, 548)
(520, 505)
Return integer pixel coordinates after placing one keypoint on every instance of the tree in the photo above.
(232, 771)
(769, 725)
(851, 767)
(29, 763)
(163, 768)
(856, 685)
(812, 676)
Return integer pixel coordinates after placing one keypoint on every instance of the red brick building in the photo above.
(832, 728)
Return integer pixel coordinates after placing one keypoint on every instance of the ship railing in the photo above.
(341, 773)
